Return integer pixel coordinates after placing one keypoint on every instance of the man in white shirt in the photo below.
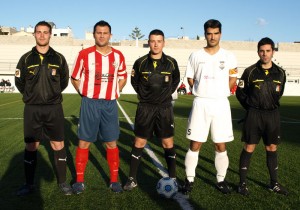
(211, 73)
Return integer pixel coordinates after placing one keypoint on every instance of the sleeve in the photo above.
(242, 90)
(135, 77)
(64, 79)
(283, 83)
(122, 74)
(175, 77)
(20, 75)
(77, 67)
(189, 73)
(233, 71)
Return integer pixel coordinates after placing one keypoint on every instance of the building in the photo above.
(60, 32)
(7, 30)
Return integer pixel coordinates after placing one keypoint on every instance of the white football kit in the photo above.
(211, 108)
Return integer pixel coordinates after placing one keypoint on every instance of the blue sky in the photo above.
(242, 20)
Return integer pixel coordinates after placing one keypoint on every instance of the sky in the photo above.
(241, 20)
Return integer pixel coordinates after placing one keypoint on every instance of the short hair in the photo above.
(156, 32)
(102, 23)
(43, 23)
(264, 41)
(212, 23)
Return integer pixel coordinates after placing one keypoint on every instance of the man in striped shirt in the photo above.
(99, 75)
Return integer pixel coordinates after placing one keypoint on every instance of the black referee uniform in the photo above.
(41, 78)
(154, 81)
(259, 91)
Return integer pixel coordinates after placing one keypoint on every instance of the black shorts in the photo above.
(262, 124)
(157, 119)
(43, 122)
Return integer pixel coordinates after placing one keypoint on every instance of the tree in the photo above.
(136, 34)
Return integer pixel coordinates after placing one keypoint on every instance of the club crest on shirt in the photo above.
(222, 65)
(53, 72)
(115, 64)
(17, 73)
(241, 83)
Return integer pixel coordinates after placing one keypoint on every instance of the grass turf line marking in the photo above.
(179, 197)
(10, 103)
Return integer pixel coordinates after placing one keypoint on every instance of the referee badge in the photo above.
(132, 72)
(241, 83)
(53, 72)
(277, 88)
(167, 78)
(17, 73)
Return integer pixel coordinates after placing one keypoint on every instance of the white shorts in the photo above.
(212, 115)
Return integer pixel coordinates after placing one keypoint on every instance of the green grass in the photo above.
(97, 194)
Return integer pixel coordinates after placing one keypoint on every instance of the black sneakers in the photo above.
(243, 189)
(278, 188)
(25, 189)
(116, 187)
(187, 187)
(130, 184)
(65, 188)
(223, 187)
(78, 187)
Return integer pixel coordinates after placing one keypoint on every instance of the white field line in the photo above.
(179, 197)
(10, 103)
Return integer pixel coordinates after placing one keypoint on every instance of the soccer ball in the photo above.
(167, 187)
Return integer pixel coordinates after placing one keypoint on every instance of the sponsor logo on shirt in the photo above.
(209, 77)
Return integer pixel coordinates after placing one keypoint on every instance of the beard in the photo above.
(42, 43)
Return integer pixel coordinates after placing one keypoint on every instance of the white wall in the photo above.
(292, 87)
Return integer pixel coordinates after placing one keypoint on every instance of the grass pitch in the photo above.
(97, 194)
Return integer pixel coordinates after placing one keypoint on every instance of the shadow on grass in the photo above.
(13, 178)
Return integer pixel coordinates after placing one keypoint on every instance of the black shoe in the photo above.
(243, 189)
(278, 188)
(78, 187)
(26, 189)
(223, 187)
(130, 184)
(116, 187)
(187, 187)
(65, 188)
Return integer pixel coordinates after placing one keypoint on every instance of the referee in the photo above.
(41, 76)
(154, 77)
(259, 91)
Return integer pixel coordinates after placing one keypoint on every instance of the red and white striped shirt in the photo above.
(99, 74)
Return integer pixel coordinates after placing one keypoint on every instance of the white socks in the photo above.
(221, 164)
(191, 162)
